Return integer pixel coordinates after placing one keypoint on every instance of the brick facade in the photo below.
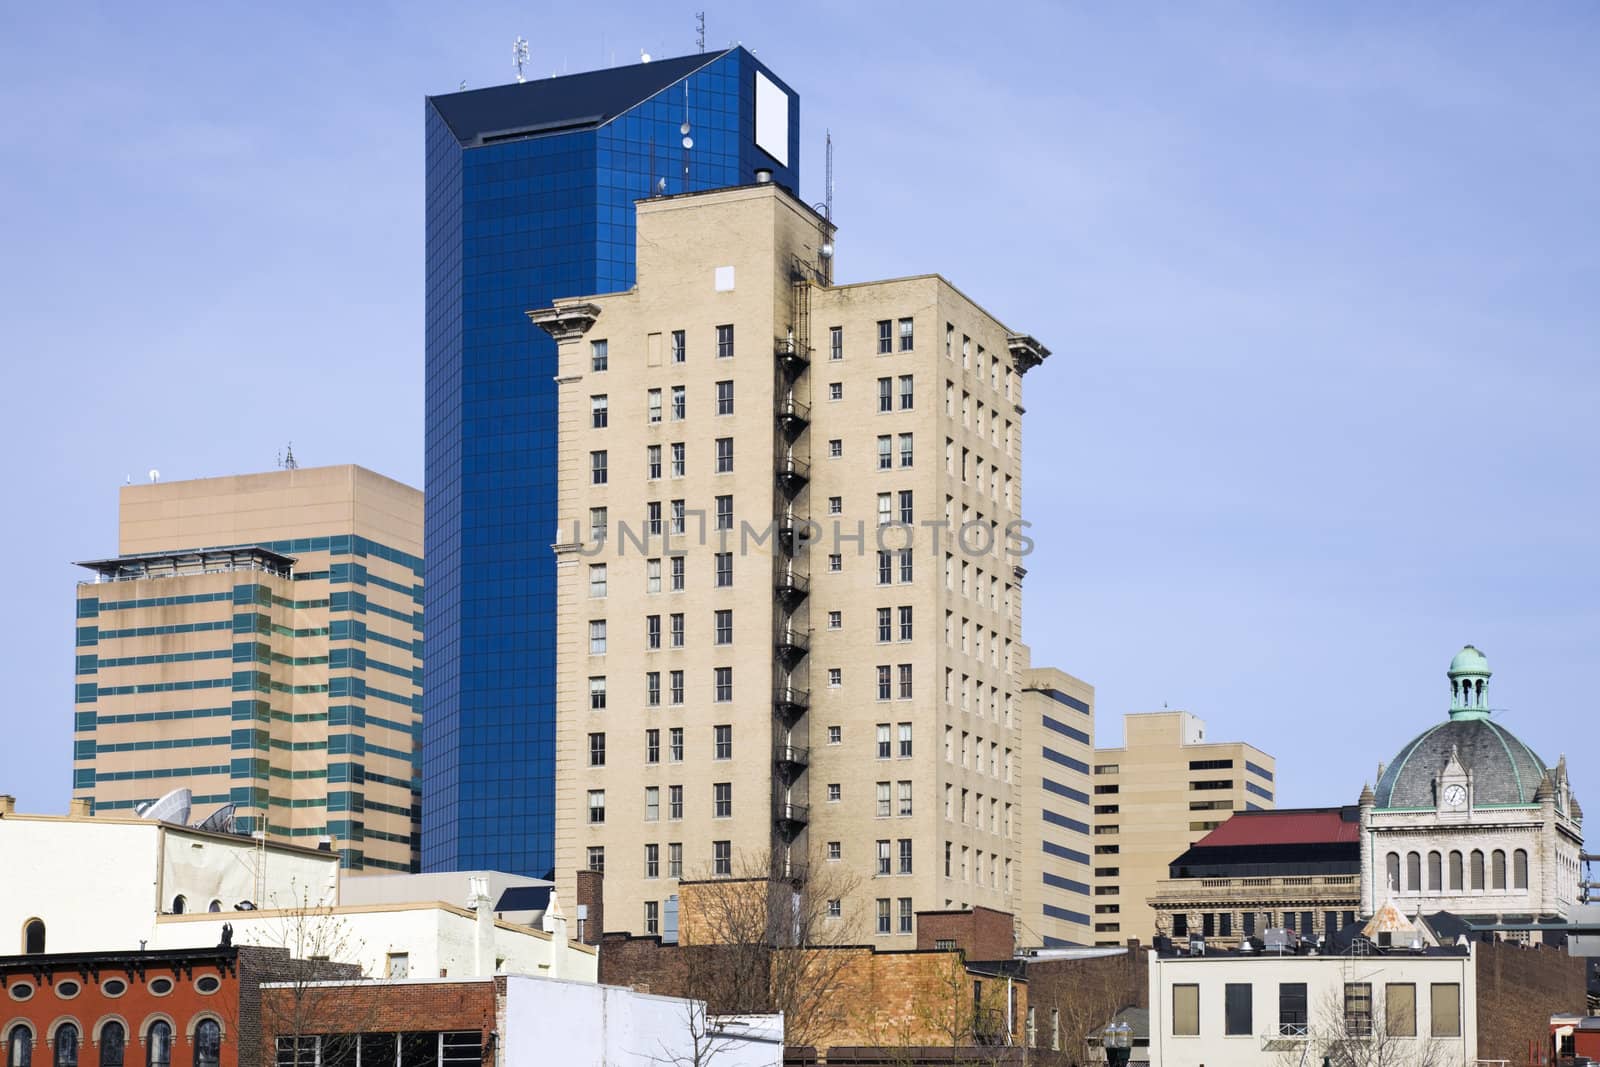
(383, 1007)
(591, 897)
(982, 933)
(1518, 990)
(262, 964)
(1073, 997)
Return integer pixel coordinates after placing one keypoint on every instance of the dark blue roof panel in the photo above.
(549, 105)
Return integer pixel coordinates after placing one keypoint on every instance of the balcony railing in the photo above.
(792, 357)
(791, 815)
(792, 474)
(790, 702)
(791, 587)
(791, 759)
(792, 417)
(791, 645)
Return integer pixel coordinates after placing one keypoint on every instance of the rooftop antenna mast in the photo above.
(289, 462)
(519, 56)
(827, 211)
(700, 27)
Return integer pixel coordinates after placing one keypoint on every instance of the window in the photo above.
(675, 689)
(1455, 870)
(599, 355)
(652, 689)
(835, 677)
(835, 448)
(724, 455)
(885, 744)
(885, 565)
(906, 915)
(680, 403)
(833, 792)
(1435, 871)
(724, 570)
(907, 512)
(19, 1046)
(835, 391)
(907, 393)
(677, 574)
(1357, 1008)
(724, 519)
(652, 631)
(652, 744)
(904, 790)
(676, 620)
(722, 800)
(1477, 869)
(652, 576)
(905, 566)
(835, 620)
(724, 342)
(1292, 1008)
(597, 805)
(883, 915)
(113, 1038)
(597, 467)
(885, 508)
(675, 860)
(905, 740)
(724, 398)
(1237, 1010)
(723, 619)
(597, 750)
(1519, 869)
(654, 398)
(652, 803)
(652, 517)
(674, 801)
(66, 1042)
(675, 744)
(680, 462)
(652, 462)
(722, 742)
(883, 856)
(597, 859)
(1400, 1009)
(678, 515)
(835, 563)
(722, 857)
(1497, 869)
(597, 524)
(722, 687)
(1186, 1010)
(885, 682)
(885, 394)
(652, 913)
(597, 580)
(835, 735)
(907, 452)
(885, 452)
(905, 681)
(680, 353)
(597, 637)
(906, 335)
(1414, 872)
(885, 336)
(598, 413)
(1445, 1009)
(836, 505)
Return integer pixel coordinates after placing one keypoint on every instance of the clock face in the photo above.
(1455, 795)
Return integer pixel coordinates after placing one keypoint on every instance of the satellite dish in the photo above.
(688, 142)
(644, 57)
(219, 821)
(174, 807)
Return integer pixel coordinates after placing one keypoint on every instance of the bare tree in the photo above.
(317, 942)
(765, 939)
(969, 1013)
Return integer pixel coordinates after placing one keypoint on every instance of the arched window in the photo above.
(1413, 872)
(1519, 869)
(207, 1044)
(66, 1045)
(112, 1039)
(178, 904)
(216, 905)
(1393, 871)
(1435, 872)
(33, 937)
(1477, 868)
(1455, 871)
(158, 1044)
(19, 1046)
(1497, 869)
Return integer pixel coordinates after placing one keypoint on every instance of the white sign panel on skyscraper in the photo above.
(772, 119)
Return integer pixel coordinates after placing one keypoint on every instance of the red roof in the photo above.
(1305, 826)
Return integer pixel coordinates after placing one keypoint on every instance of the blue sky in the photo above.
(1319, 280)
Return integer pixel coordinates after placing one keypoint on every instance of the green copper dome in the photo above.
(1469, 661)
(1469, 685)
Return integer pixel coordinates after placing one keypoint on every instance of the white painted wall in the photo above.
(582, 1025)
(1324, 977)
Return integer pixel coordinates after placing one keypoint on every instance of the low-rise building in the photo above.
(1291, 868)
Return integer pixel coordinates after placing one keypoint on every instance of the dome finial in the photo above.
(1469, 684)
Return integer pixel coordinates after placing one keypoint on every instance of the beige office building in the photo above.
(1053, 907)
(1163, 789)
(788, 588)
(257, 640)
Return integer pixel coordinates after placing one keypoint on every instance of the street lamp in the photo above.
(1117, 1040)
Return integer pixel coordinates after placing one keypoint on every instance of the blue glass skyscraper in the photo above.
(530, 191)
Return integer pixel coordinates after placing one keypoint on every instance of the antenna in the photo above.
(700, 30)
(155, 476)
(289, 462)
(519, 55)
(463, 87)
(827, 212)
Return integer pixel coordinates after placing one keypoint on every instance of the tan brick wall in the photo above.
(981, 933)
